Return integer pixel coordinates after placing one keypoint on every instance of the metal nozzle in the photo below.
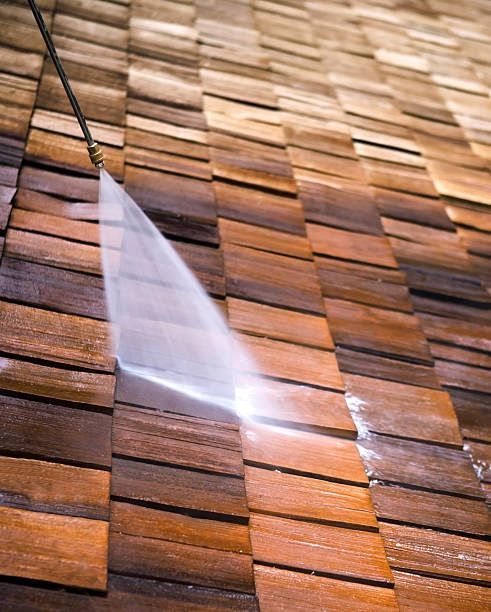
(96, 155)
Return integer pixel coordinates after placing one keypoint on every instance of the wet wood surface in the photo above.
(324, 170)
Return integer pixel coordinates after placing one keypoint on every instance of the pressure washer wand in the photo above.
(95, 152)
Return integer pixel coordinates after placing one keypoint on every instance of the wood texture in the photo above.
(319, 548)
(63, 549)
(54, 488)
(304, 158)
(303, 452)
(438, 554)
(286, 590)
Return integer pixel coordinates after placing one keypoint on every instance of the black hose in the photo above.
(59, 67)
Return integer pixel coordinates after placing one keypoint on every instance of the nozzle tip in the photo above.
(96, 155)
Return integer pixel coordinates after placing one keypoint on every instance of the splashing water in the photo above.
(166, 329)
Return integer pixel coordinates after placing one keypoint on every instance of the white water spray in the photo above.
(166, 329)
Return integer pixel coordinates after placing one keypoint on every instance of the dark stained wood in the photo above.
(433, 268)
(264, 239)
(376, 366)
(178, 487)
(52, 288)
(274, 279)
(57, 432)
(53, 251)
(377, 117)
(56, 383)
(180, 440)
(55, 183)
(337, 206)
(453, 331)
(473, 412)
(462, 376)
(151, 557)
(319, 548)
(259, 208)
(416, 209)
(129, 594)
(54, 488)
(339, 280)
(376, 330)
(169, 194)
(154, 543)
(52, 205)
(430, 509)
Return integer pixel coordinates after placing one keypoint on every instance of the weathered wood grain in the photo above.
(169, 194)
(377, 330)
(50, 487)
(63, 549)
(53, 251)
(271, 278)
(57, 432)
(56, 383)
(278, 324)
(423, 465)
(175, 439)
(402, 410)
(350, 245)
(376, 366)
(415, 592)
(354, 283)
(280, 589)
(257, 207)
(320, 548)
(264, 239)
(52, 288)
(473, 412)
(291, 496)
(431, 509)
(340, 207)
(409, 207)
(434, 553)
(171, 486)
(71, 339)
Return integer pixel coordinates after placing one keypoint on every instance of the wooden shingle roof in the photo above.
(323, 167)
